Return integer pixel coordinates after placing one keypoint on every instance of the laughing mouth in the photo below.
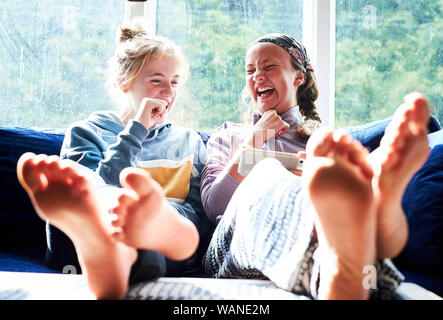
(264, 92)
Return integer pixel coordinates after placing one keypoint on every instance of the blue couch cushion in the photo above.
(370, 134)
(30, 262)
(19, 225)
(423, 206)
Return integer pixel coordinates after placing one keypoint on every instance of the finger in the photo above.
(149, 104)
(145, 103)
(269, 112)
(296, 172)
(160, 102)
(282, 131)
(158, 110)
(301, 154)
(285, 128)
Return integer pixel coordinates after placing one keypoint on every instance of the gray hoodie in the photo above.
(174, 156)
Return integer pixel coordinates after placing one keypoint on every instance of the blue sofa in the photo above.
(24, 247)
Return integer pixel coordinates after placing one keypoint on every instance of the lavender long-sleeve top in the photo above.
(217, 186)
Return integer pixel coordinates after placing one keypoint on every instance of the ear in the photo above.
(125, 87)
(299, 78)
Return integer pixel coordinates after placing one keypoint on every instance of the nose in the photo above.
(167, 90)
(258, 75)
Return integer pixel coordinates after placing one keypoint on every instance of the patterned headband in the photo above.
(296, 50)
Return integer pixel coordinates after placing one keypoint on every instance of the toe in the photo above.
(28, 173)
(125, 199)
(118, 216)
(68, 172)
(120, 210)
(420, 105)
(395, 137)
(420, 115)
(51, 168)
(320, 143)
(358, 154)
(343, 142)
(81, 184)
(138, 180)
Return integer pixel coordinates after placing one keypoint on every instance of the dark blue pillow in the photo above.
(19, 224)
(423, 206)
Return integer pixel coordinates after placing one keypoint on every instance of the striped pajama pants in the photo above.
(267, 232)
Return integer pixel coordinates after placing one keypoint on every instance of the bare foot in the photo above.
(403, 150)
(59, 193)
(148, 221)
(338, 181)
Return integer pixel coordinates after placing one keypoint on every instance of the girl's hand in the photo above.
(301, 155)
(151, 112)
(270, 125)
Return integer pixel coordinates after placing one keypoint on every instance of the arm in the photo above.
(217, 185)
(220, 176)
(84, 145)
(124, 152)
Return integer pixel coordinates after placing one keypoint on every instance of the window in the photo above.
(384, 50)
(53, 55)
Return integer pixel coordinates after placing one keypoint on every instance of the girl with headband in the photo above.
(316, 234)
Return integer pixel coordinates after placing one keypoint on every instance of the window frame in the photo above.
(318, 38)
(142, 8)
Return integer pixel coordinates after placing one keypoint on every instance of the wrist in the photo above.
(254, 139)
(136, 129)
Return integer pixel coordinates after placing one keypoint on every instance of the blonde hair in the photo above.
(135, 47)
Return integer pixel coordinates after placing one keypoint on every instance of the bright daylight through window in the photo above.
(53, 56)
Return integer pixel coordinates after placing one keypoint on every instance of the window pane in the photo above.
(53, 55)
(384, 50)
(215, 35)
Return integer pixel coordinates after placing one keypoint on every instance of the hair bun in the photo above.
(126, 34)
(129, 32)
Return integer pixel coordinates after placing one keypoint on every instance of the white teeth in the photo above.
(264, 89)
